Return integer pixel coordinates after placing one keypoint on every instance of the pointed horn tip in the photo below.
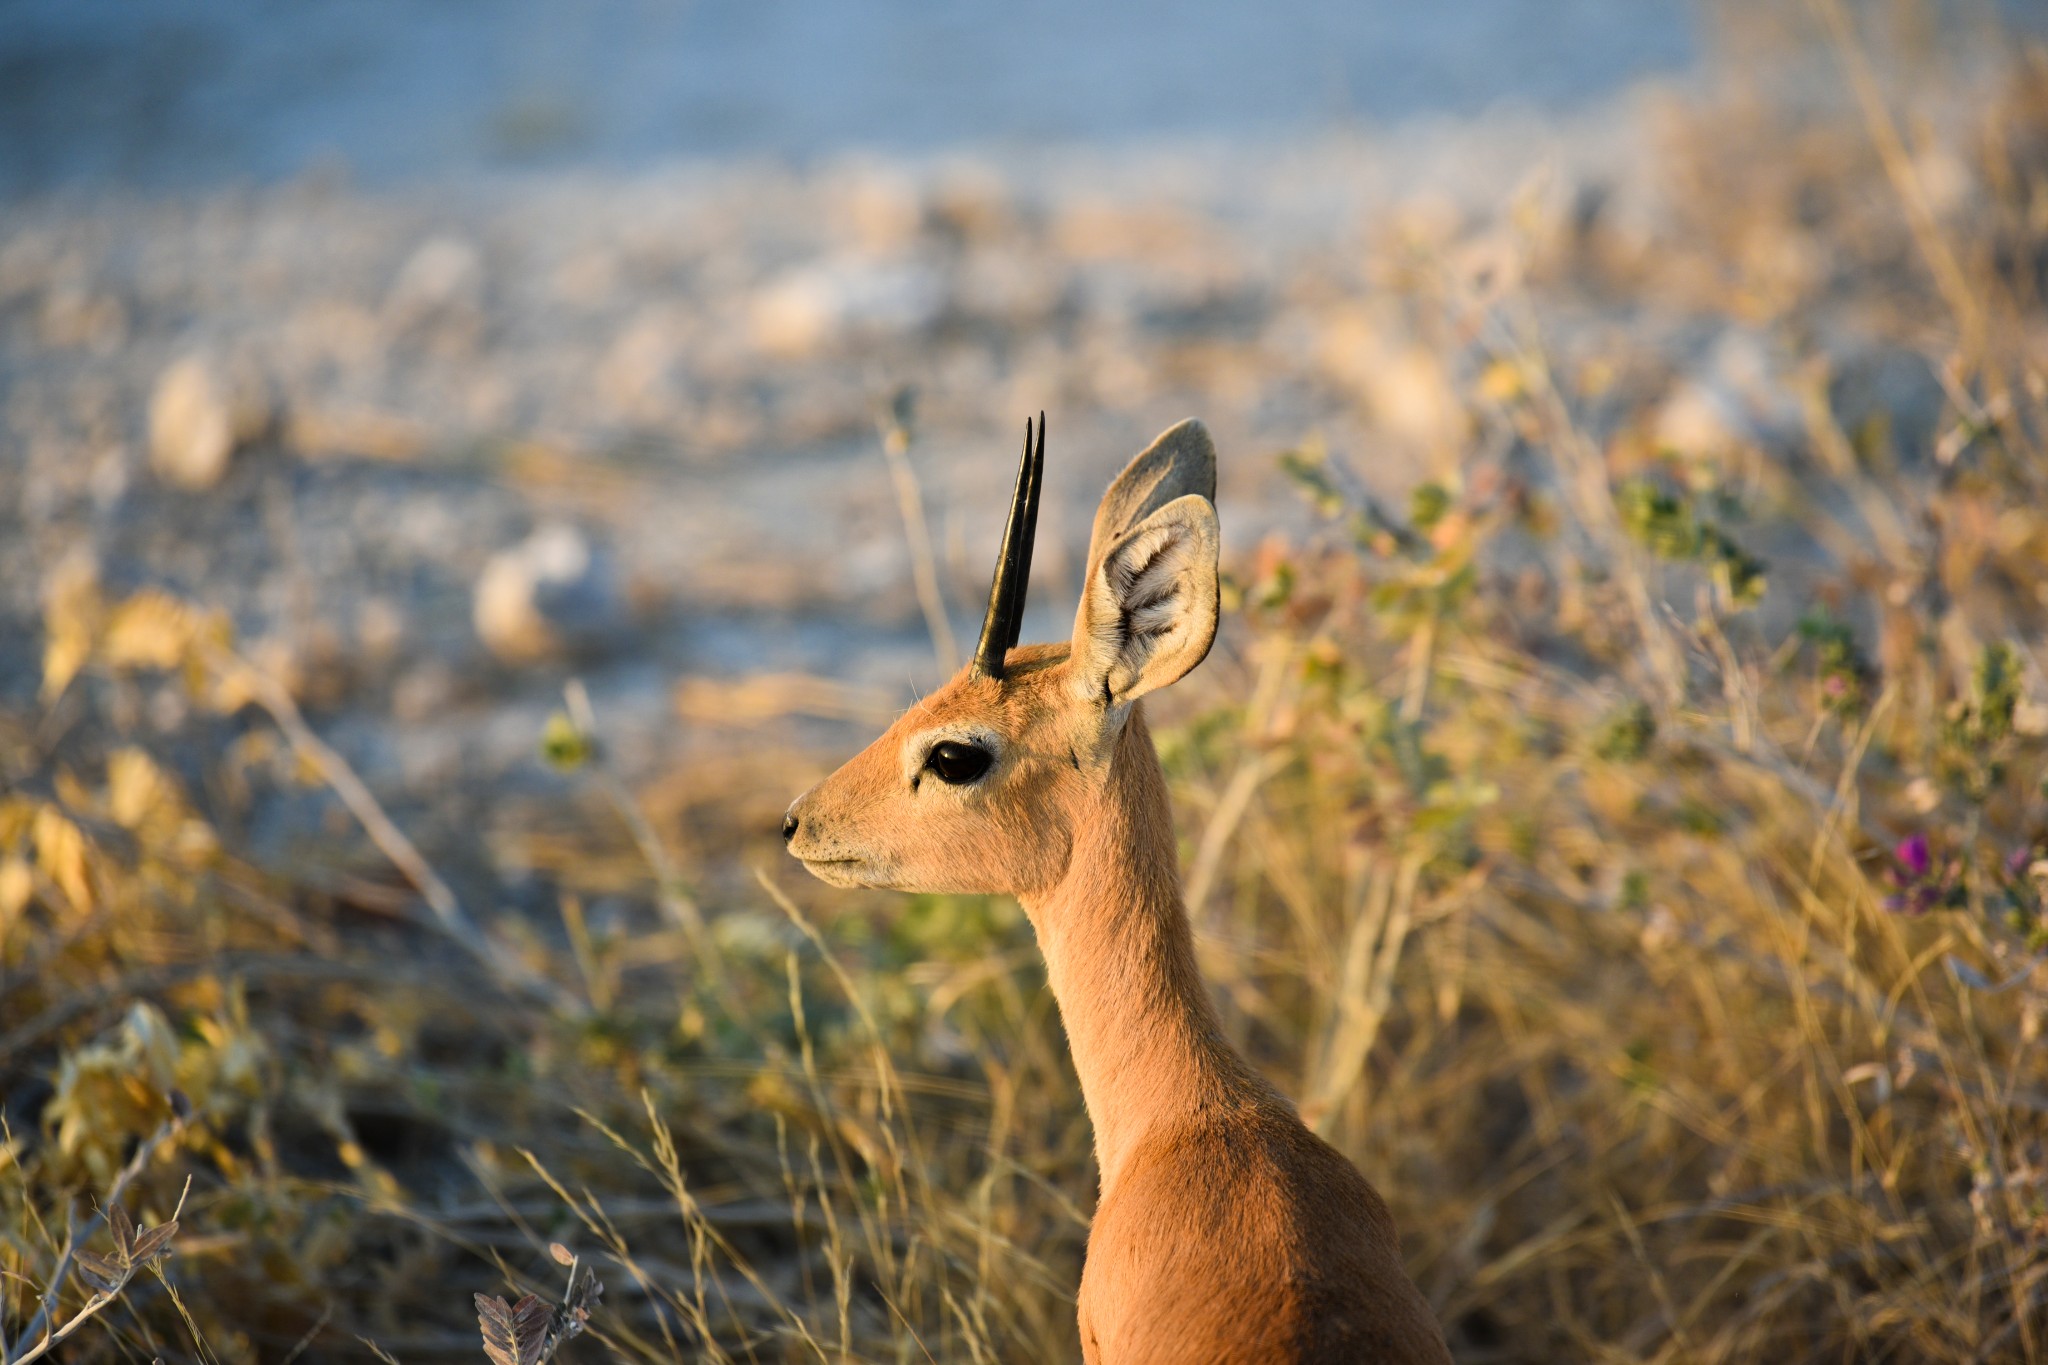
(1033, 483)
(1003, 622)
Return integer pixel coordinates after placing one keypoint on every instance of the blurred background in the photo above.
(173, 96)
(465, 465)
(640, 276)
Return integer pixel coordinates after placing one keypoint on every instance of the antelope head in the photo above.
(979, 787)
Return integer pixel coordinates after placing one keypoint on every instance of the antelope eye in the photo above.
(957, 764)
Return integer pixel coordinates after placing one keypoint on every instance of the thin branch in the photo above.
(1252, 772)
(448, 914)
(669, 877)
(1898, 168)
(40, 1322)
(894, 424)
(153, 980)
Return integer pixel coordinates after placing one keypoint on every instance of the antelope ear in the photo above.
(1148, 609)
(1180, 461)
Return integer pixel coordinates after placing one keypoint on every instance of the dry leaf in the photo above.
(137, 789)
(154, 1242)
(17, 885)
(64, 653)
(152, 629)
(123, 1228)
(71, 622)
(514, 1334)
(60, 853)
(100, 1274)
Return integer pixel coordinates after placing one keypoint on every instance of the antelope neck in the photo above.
(1120, 956)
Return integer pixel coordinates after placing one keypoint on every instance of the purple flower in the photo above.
(1920, 887)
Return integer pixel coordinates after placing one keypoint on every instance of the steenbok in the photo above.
(1225, 1231)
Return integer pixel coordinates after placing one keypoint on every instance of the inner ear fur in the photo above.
(1180, 461)
(1148, 610)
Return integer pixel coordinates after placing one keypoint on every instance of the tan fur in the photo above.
(1225, 1231)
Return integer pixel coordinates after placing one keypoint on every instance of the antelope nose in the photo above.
(789, 827)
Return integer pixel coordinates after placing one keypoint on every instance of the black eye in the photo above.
(956, 763)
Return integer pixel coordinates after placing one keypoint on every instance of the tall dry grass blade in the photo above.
(894, 427)
(1935, 250)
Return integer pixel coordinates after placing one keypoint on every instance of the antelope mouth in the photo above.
(842, 871)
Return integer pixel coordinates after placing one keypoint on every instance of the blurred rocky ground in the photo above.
(437, 449)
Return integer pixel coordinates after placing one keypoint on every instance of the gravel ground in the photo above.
(650, 400)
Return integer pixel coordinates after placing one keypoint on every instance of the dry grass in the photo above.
(1633, 853)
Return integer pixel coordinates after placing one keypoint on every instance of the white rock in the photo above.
(198, 418)
(1698, 419)
(1734, 396)
(444, 277)
(1405, 385)
(843, 299)
(881, 204)
(551, 593)
(380, 629)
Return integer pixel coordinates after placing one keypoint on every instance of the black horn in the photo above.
(1013, 566)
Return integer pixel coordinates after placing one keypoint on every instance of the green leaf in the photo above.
(1428, 504)
(1308, 467)
(1627, 733)
(563, 746)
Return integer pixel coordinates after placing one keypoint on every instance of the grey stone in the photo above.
(553, 593)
